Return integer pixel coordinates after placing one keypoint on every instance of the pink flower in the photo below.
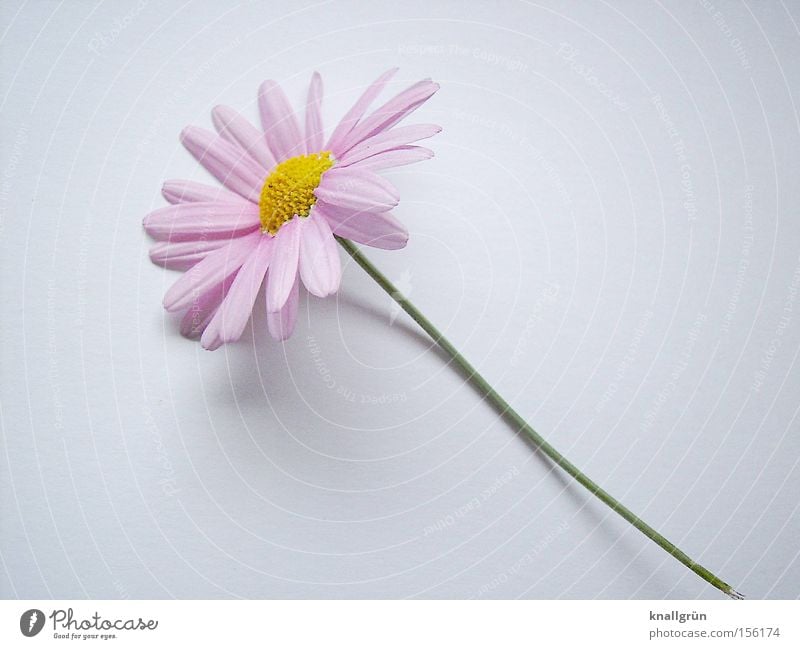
(286, 195)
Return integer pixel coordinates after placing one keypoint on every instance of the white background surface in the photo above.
(609, 231)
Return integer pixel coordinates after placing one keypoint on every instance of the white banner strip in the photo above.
(400, 624)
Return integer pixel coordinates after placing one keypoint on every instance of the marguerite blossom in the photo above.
(285, 196)
(286, 193)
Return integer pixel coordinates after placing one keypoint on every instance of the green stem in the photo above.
(511, 415)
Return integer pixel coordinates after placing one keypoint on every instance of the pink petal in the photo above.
(357, 189)
(388, 140)
(185, 254)
(213, 270)
(283, 269)
(231, 318)
(279, 121)
(389, 114)
(352, 116)
(398, 157)
(189, 191)
(281, 323)
(314, 130)
(196, 319)
(213, 345)
(377, 229)
(192, 221)
(232, 167)
(320, 267)
(239, 131)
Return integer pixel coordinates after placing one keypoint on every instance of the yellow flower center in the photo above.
(288, 191)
